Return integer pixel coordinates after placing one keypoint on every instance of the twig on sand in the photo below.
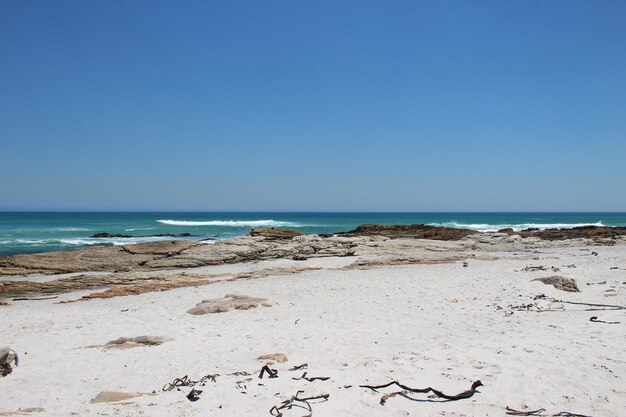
(596, 320)
(312, 378)
(534, 268)
(241, 373)
(536, 308)
(187, 382)
(407, 390)
(299, 367)
(605, 306)
(513, 412)
(404, 387)
(273, 373)
(541, 412)
(275, 411)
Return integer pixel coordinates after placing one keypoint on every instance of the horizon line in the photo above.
(318, 211)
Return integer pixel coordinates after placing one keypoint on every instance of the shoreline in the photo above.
(41, 232)
(360, 310)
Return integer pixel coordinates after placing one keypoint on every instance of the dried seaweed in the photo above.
(541, 412)
(194, 394)
(275, 411)
(299, 367)
(596, 320)
(312, 378)
(273, 373)
(513, 412)
(187, 382)
(407, 390)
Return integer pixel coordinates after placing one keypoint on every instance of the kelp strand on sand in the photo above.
(540, 412)
(275, 411)
(188, 382)
(408, 390)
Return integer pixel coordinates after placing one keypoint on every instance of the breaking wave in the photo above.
(482, 227)
(71, 229)
(231, 223)
(87, 241)
(112, 241)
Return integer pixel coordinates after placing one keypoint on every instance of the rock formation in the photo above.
(417, 231)
(582, 232)
(271, 233)
(108, 235)
(560, 283)
(228, 303)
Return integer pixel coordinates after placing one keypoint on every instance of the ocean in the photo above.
(31, 232)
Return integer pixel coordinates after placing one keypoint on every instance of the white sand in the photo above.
(424, 325)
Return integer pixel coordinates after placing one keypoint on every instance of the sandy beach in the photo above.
(425, 313)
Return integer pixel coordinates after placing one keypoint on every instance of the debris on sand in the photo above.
(22, 411)
(276, 357)
(115, 396)
(407, 390)
(131, 342)
(8, 357)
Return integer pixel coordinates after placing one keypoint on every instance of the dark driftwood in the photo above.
(188, 382)
(407, 390)
(312, 378)
(404, 387)
(273, 373)
(275, 411)
(194, 394)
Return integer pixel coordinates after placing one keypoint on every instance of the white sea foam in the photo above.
(113, 241)
(139, 228)
(483, 227)
(231, 223)
(32, 241)
(71, 229)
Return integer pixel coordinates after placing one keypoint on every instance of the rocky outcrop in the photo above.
(271, 233)
(417, 231)
(102, 235)
(268, 244)
(170, 254)
(582, 232)
(421, 231)
(95, 258)
(131, 283)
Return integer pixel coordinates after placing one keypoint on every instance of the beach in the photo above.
(357, 310)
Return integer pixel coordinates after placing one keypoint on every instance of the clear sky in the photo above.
(320, 105)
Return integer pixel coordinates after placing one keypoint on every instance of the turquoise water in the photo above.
(28, 232)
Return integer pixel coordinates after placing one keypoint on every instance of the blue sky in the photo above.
(325, 105)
